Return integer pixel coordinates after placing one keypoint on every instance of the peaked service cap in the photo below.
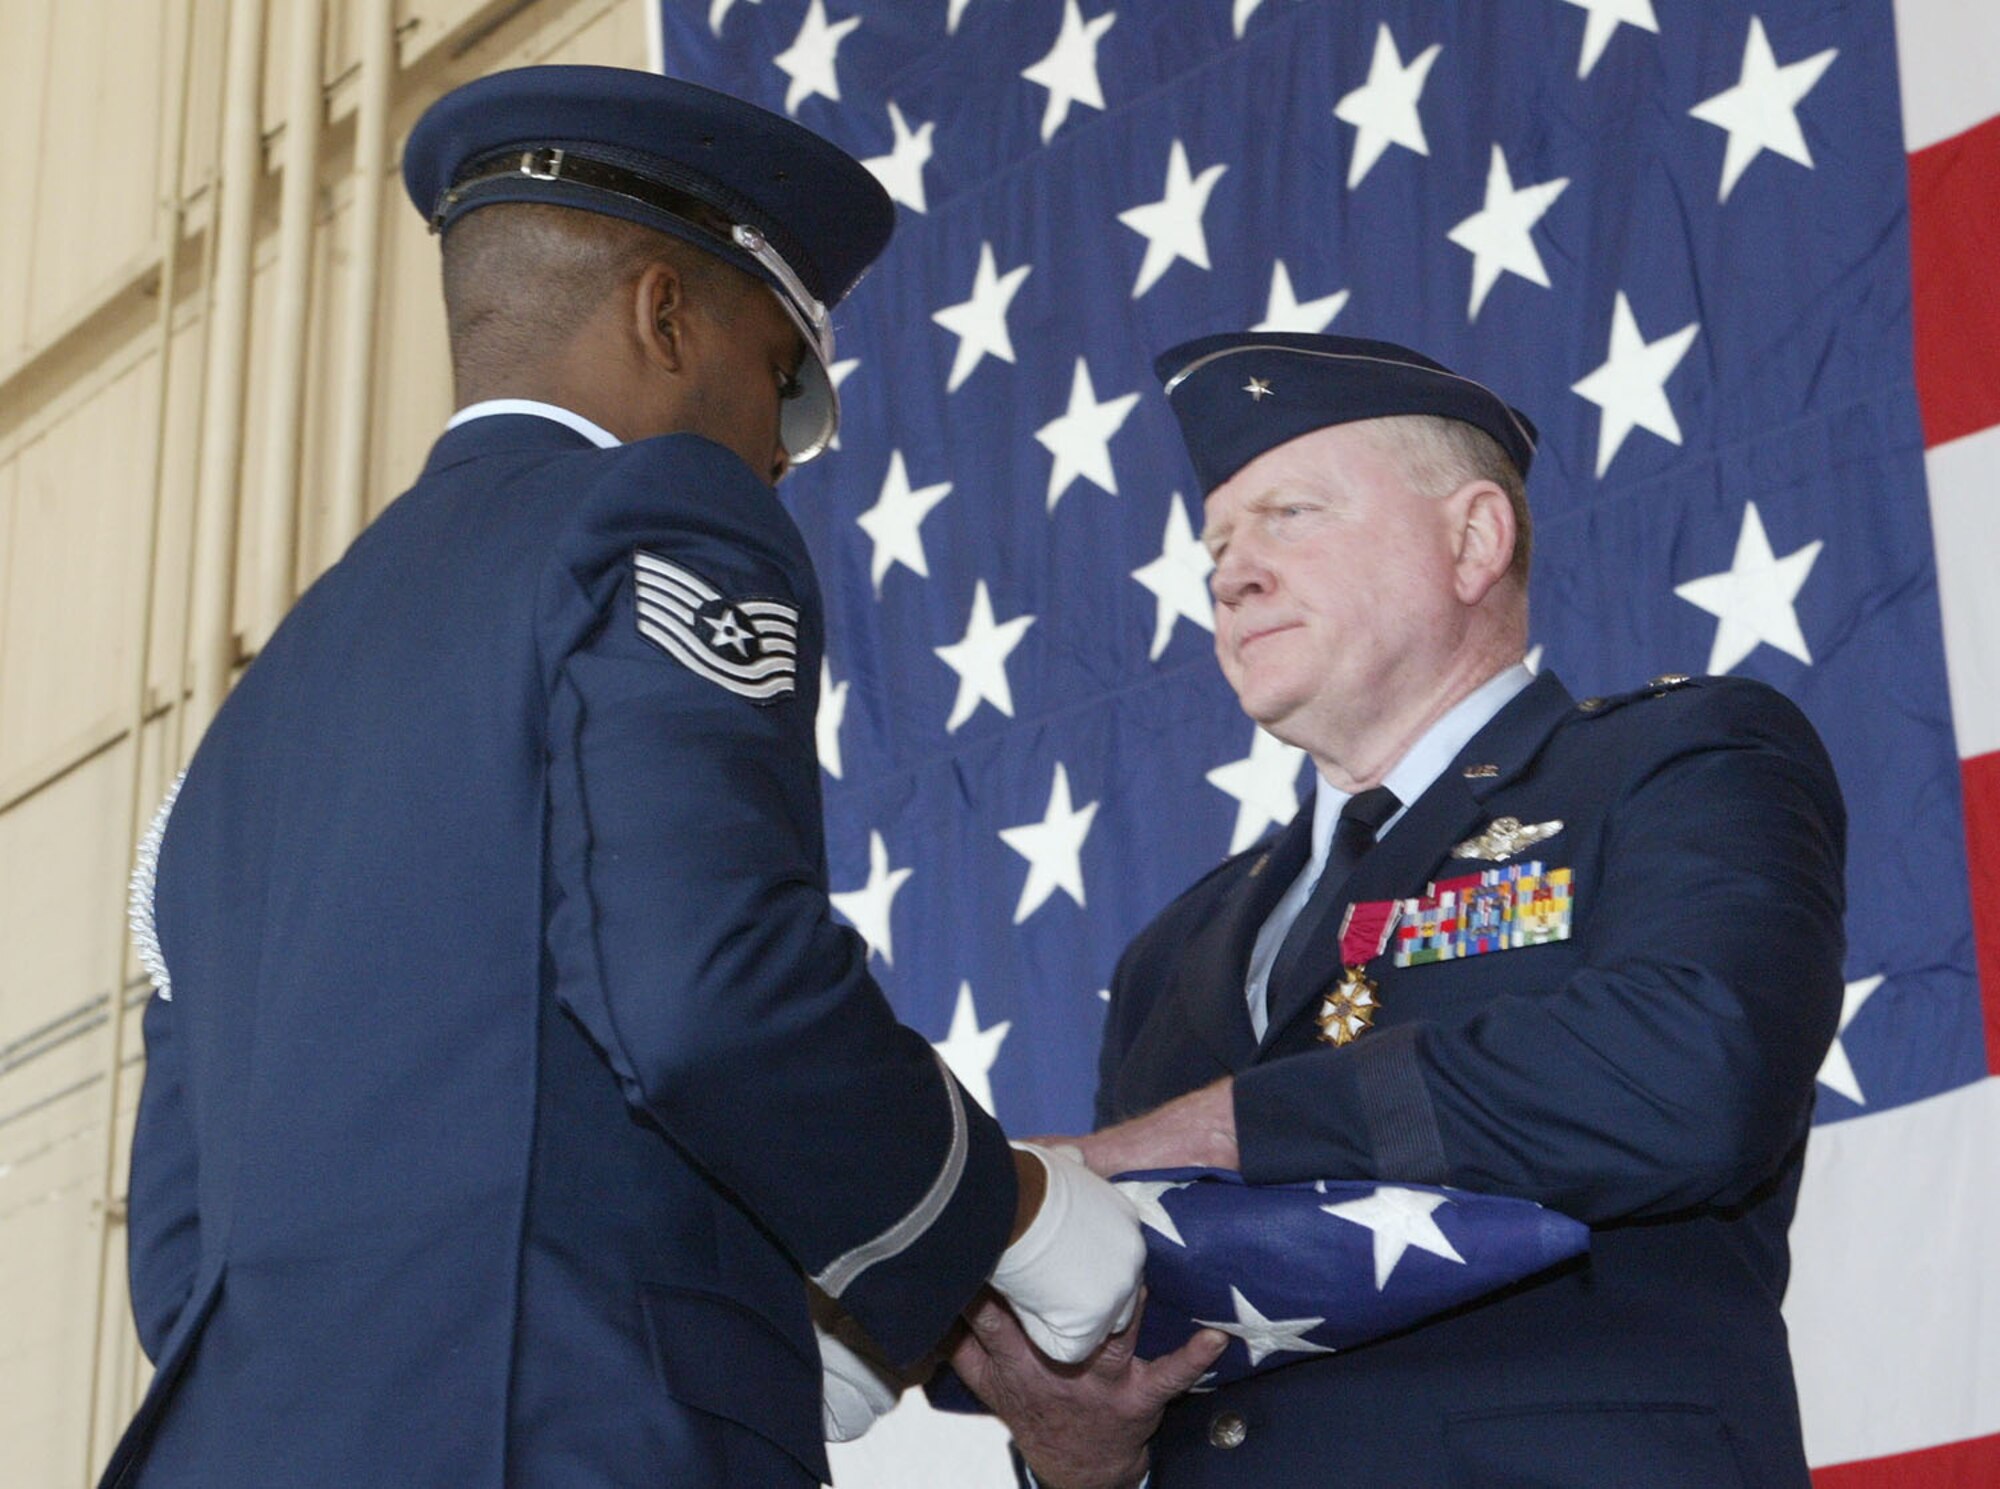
(1244, 392)
(803, 215)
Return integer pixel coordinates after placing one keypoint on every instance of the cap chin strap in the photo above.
(810, 419)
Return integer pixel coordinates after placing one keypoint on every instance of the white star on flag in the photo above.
(1264, 782)
(808, 61)
(980, 323)
(1603, 21)
(1069, 70)
(901, 171)
(717, 9)
(1145, 1197)
(1053, 848)
(1400, 1219)
(954, 15)
(970, 1050)
(1533, 660)
(1080, 439)
(980, 660)
(1631, 385)
(1172, 225)
(1240, 13)
(826, 723)
(1178, 579)
(1753, 598)
(894, 524)
(1837, 1070)
(1500, 235)
(1267, 1336)
(1286, 312)
(867, 908)
(1384, 109)
(1760, 111)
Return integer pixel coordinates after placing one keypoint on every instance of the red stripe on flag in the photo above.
(1981, 775)
(1954, 245)
(1972, 1464)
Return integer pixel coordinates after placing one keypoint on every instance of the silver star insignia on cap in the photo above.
(1258, 388)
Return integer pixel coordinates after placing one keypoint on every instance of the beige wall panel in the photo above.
(423, 24)
(319, 422)
(333, 284)
(46, 1215)
(177, 499)
(278, 21)
(23, 81)
(8, 484)
(123, 1365)
(74, 574)
(133, 1371)
(611, 33)
(205, 79)
(96, 206)
(256, 416)
(68, 853)
(320, 425)
(412, 387)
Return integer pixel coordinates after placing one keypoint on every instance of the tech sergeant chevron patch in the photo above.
(749, 647)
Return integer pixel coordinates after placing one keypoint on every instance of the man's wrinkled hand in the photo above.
(1080, 1426)
(1197, 1130)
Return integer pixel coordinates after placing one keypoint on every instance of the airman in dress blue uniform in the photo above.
(508, 1078)
(1636, 1046)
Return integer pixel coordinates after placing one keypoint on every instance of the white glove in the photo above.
(1073, 1277)
(856, 1391)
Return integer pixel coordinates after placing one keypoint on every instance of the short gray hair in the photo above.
(1439, 455)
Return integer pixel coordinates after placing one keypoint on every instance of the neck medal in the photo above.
(1348, 1009)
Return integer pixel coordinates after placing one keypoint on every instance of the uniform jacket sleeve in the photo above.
(1674, 1065)
(689, 927)
(164, 1237)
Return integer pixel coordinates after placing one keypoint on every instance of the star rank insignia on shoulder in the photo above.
(749, 647)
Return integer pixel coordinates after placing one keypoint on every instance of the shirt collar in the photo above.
(603, 438)
(1425, 761)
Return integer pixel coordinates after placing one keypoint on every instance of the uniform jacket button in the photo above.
(1227, 1429)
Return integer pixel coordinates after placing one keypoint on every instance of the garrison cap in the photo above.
(802, 215)
(1244, 392)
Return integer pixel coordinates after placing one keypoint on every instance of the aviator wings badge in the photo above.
(1505, 837)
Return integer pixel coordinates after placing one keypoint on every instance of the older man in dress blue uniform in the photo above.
(508, 1079)
(1637, 1049)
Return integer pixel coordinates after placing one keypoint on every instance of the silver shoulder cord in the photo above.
(139, 899)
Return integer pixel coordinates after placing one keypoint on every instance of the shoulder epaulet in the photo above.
(1256, 855)
(1659, 687)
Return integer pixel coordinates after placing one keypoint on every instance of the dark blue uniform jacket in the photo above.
(514, 1075)
(1652, 1076)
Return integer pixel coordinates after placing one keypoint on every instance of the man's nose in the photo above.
(1237, 576)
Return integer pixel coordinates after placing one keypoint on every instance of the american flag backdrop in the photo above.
(1740, 259)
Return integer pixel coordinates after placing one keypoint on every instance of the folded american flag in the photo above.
(1291, 1271)
(1296, 1270)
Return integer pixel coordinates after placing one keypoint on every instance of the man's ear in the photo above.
(660, 316)
(1484, 539)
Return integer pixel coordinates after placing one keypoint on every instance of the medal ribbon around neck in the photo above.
(1348, 1010)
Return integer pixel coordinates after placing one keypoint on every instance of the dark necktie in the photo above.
(1353, 836)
